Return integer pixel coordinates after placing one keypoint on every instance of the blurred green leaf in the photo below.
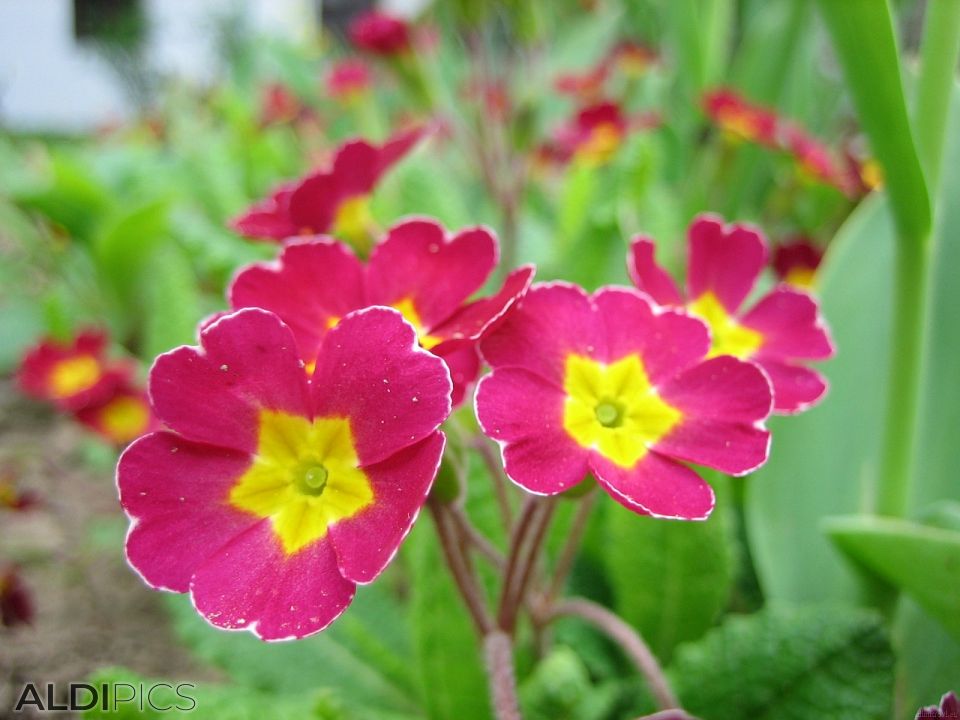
(448, 655)
(922, 561)
(863, 36)
(670, 579)
(171, 299)
(561, 689)
(798, 487)
(789, 664)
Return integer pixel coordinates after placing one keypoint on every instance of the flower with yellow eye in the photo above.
(272, 496)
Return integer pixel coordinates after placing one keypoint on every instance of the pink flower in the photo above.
(609, 384)
(334, 200)
(949, 709)
(418, 268)
(781, 331)
(122, 417)
(349, 79)
(275, 493)
(380, 33)
(734, 115)
(595, 134)
(587, 86)
(814, 160)
(796, 261)
(16, 602)
(72, 374)
(279, 105)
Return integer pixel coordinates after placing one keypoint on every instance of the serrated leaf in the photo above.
(670, 579)
(922, 561)
(789, 664)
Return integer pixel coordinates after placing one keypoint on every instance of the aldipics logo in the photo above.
(108, 697)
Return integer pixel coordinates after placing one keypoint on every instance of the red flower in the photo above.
(278, 105)
(380, 33)
(121, 418)
(349, 79)
(814, 160)
(275, 492)
(592, 136)
(72, 375)
(740, 119)
(13, 499)
(16, 603)
(334, 200)
(949, 709)
(632, 58)
(587, 86)
(796, 261)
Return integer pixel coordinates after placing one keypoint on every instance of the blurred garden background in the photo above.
(135, 133)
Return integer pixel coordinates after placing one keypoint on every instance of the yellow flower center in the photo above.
(739, 126)
(802, 277)
(729, 337)
(305, 477)
(410, 314)
(353, 220)
(614, 409)
(601, 145)
(124, 418)
(73, 375)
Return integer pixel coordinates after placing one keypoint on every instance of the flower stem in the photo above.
(498, 477)
(498, 653)
(627, 638)
(569, 552)
(532, 524)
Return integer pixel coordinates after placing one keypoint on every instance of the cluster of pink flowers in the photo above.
(302, 435)
(78, 378)
(745, 121)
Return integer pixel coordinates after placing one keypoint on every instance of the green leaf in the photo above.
(356, 657)
(172, 301)
(789, 664)
(447, 652)
(922, 561)
(670, 579)
(863, 36)
(811, 474)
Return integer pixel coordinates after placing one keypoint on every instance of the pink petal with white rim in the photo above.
(310, 287)
(372, 370)
(214, 394)
(176, 492)
(524, 413)
(656, 486)
(417, 261)
(252, 584)
(722, 388)
(463, 362)
(366, 542)
(650, 277)
(667, 342)
(794, 388)
(724, 260)
(790, 323)
(485, 315)
(552, 321)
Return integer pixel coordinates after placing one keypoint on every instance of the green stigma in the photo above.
(609, 414)
(313, 480)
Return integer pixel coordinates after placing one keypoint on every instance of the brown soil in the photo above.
(92, 611)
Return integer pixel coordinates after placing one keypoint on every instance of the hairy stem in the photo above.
(475, 538)
(570, 548)
(498, 653)
(498, 477)
(525, 543)
(614, 627)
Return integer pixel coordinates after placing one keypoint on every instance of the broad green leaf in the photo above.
(561, 689)
(863, 36)
(344, 658)
(447, 652)
(928, 659)
(171, 299)
(922, 561)
(826, 663)
(823, 462)
(670, 579)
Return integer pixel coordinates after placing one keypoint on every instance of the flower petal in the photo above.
(656, 486)
(252, 584)
(463, 361)
(371, 370)
(667, 342)
(648, 276)
(790, 324)
(723, 400)
(725, 261)
(310, 287)
(552, 321)
(417, 262)
(248, 361)
(268, 219)
(795, 388)
(539, 455)
(485, 315)
(366, 542)
(176, 491)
